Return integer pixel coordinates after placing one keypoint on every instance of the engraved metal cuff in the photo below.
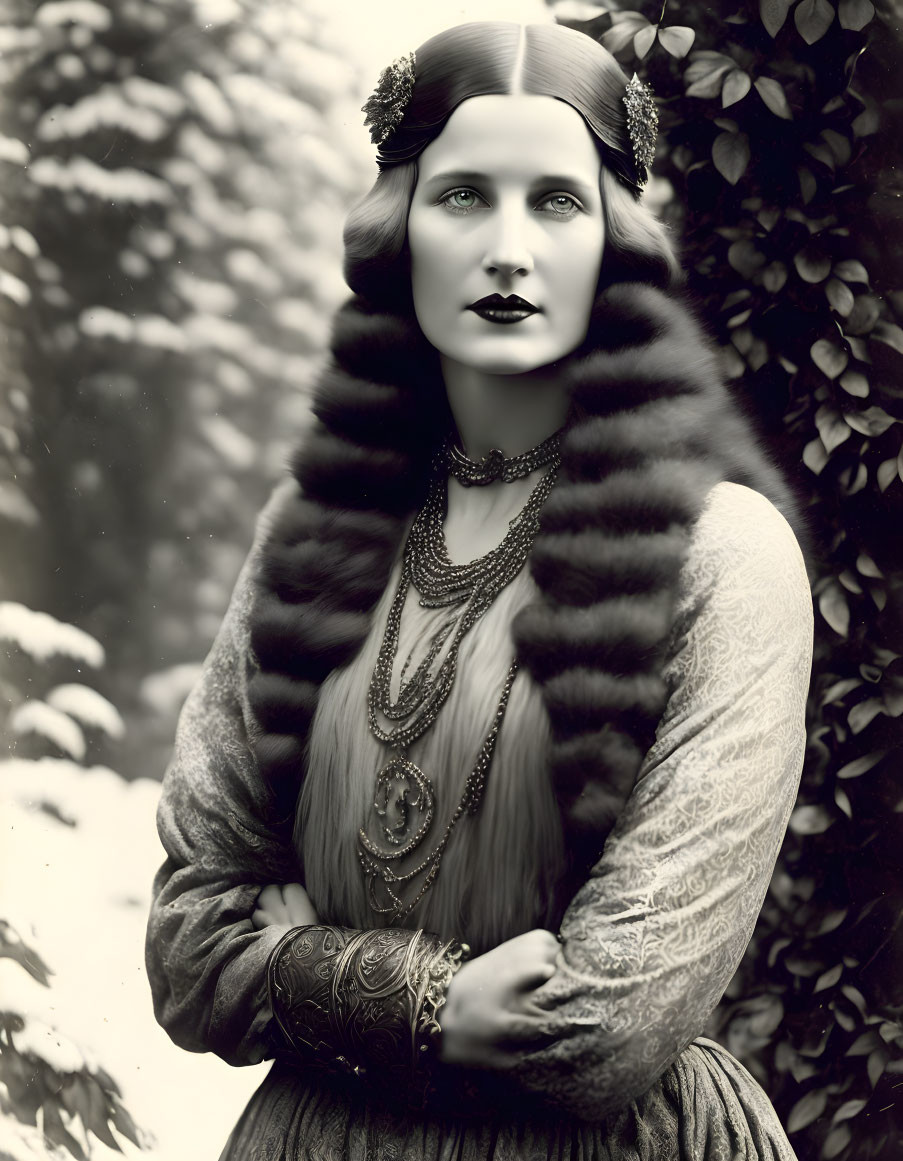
(364, 1003)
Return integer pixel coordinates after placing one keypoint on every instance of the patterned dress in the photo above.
(650, 941)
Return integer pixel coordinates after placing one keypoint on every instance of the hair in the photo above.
(481, 59)
(652, 430)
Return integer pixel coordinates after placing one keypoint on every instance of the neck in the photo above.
(511, 412)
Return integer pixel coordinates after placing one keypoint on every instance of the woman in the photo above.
(527, 595)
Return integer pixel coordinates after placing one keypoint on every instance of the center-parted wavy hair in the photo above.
(483, 59)
(652, 430)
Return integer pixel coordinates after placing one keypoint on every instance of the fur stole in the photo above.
(652, 431)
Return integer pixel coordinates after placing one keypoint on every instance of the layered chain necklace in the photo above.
(405, 798)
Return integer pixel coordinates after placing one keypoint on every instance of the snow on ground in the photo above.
(79, 895)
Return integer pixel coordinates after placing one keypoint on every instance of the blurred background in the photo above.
(173, 179)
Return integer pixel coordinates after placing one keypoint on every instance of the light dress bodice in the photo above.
(514, 840)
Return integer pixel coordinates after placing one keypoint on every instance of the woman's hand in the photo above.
(490, 1013)
(287, 906)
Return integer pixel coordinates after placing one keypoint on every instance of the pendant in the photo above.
(403, 808)
(382, 899)
(404, 805)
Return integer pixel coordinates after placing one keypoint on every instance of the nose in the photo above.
(508, 250)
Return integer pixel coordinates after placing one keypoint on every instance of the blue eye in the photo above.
(462, 201)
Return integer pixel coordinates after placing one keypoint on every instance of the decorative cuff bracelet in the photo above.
(364, 1002)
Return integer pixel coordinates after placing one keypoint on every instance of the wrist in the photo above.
(365, 1003)
(434, 1012)
(450, 1017)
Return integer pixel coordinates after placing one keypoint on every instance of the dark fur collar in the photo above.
(652, 431)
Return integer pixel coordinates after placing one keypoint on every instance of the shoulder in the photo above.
(280, 507)
(744, 519)
(233, 637)
(744, 566)
(740, 655)
(740, 533)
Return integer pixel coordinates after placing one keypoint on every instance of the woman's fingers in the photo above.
(270, 898)
(517, 1034)
(531, 976)
(529, 1007)
(537, 944)
(269, 907)
(545, 944)
(261, 919)
(298, 905)
(286, 906)
(491, 1012)
(534, 959)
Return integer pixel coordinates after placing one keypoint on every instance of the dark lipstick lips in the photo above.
(495, 308)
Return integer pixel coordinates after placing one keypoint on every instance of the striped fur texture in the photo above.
(652, 430)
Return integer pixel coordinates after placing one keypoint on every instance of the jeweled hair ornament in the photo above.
(385, 108)
(642, 125)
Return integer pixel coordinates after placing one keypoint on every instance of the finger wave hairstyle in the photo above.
(652, 430)
(493, 58)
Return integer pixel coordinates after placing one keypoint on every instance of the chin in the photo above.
(508, 362)
(511, 367)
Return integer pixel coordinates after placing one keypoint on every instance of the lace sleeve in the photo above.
(652, 939)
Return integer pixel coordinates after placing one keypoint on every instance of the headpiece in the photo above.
(642, 125)
(385, 108)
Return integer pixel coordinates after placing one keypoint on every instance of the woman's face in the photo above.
(505, 233)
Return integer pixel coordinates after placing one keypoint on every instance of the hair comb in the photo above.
(642, 125)
(385, 109)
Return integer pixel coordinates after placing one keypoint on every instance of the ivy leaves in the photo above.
(772, 93)
(632, 29)
(813, 18)
(855, 14)
(677, 40)
(773, 13)
(765, 123)
(730, 153)
(739, 69)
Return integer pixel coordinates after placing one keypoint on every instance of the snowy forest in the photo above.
(173, 179)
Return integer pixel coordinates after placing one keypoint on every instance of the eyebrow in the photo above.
(546, 181)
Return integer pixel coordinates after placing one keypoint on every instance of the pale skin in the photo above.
(507, 202)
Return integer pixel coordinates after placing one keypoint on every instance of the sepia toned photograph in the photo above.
(451, 580)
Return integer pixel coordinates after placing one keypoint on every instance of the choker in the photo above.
(497, 466)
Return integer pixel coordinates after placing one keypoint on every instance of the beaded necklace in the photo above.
(404, 799)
